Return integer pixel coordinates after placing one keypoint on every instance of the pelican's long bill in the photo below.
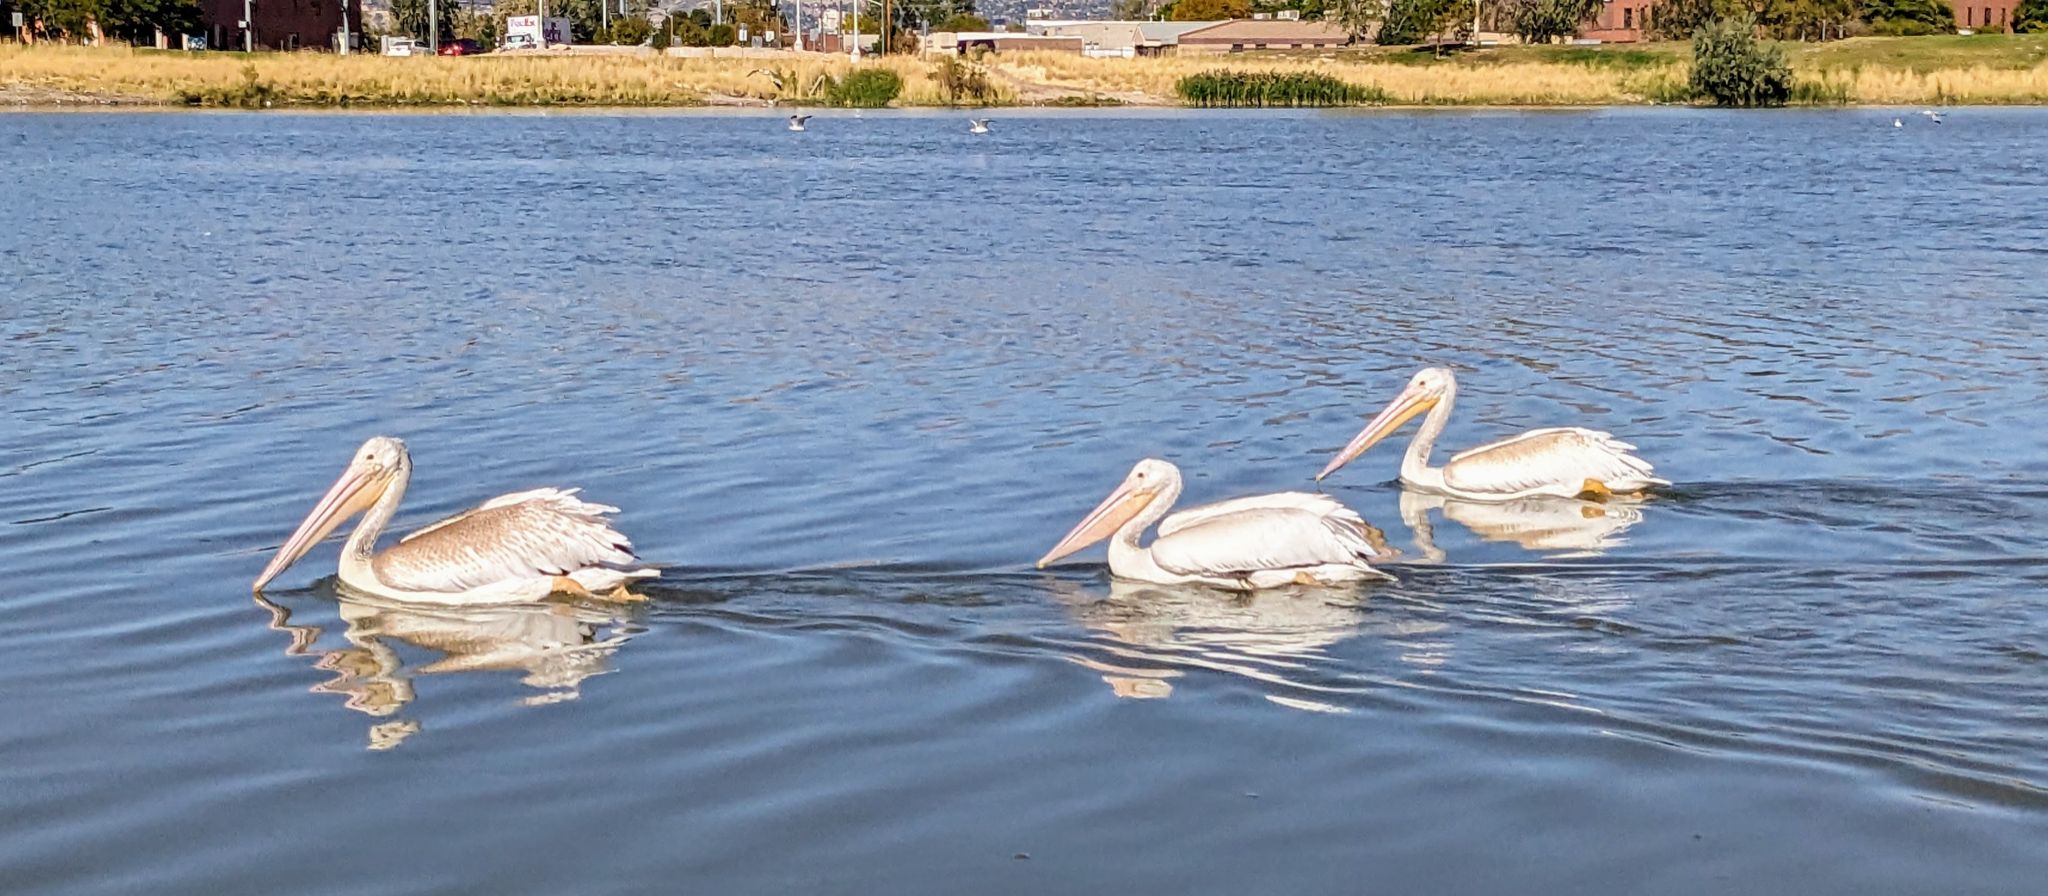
(358, 488)
(1114, 511)
(1404, 407)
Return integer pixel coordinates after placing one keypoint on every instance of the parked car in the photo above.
(461, 47)
(520, 42)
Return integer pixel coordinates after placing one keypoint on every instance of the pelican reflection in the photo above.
(555, 646)
(1153, 634)
(1566, 527)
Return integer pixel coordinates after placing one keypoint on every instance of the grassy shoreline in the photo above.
(1985, 70)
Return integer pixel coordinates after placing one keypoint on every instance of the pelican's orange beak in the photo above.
(359, 487)
(1412, 400)
(1114, 511)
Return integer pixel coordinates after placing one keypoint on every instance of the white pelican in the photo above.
(1263, 541)
(1563, 462)
(1897, 123)
(796, 122)
(980, 125)
(518, 547)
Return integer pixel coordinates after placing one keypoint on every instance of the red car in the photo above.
(461, 47)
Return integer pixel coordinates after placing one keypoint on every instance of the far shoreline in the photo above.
(1987, 70)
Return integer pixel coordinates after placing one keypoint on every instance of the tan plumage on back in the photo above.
(546, 532)
(1566, 454)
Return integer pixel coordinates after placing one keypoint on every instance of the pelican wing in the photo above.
(1318, 505)
(1564, 456)
(544, 532)
(1290, 530)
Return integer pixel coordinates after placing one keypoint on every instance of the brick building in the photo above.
(279, 24)
(1985, 15)
(1622, 21)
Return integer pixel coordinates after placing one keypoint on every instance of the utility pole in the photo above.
(248, 26)
(799, 24)
(887, 22)
(344, 27)
(434, 28)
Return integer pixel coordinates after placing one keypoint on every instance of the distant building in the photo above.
(1985, 15)
(1126, 38)
(279, 24)
(1620, 21)
(1240, 35)
(944, 42)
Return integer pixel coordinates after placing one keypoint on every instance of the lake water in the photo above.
(847, 384)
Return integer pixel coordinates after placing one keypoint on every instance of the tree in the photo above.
(1732, 68)
(1210, 10)
(1354, 16)
(1543, 21)
(1410, 21)
(2031, 16)
(1909, 16)
(135, 21)
(411, 17)
(962, 21)
(1129, 10)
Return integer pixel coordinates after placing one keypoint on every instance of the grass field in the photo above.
(1985, 69)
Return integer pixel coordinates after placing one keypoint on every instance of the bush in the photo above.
(630, 32)
(2031, 16)
(251, 93)
(962, 82)
(1730, 67)
(720, 36)
(866, 88)
(1910, 17)
(1225, 88)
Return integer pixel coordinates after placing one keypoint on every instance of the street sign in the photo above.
(17, 21)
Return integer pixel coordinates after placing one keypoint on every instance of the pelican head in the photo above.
(1425, 390)
(1148, 480)
(381, 461)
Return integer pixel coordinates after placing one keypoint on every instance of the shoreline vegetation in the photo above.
(1959, 70)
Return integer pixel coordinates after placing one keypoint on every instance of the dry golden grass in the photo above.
(518, 80)
(1527, 76)
(1510, 84)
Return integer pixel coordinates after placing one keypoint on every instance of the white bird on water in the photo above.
(1932, 115)
(1264, 541)
(796, 122)
(1898, 123)
(980, 125)
(1563, 461)
(517, 547)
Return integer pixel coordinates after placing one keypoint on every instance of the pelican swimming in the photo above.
(1564, 461)
(980, 125)
(518, 547)
(1263, 541)
(796, 122)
